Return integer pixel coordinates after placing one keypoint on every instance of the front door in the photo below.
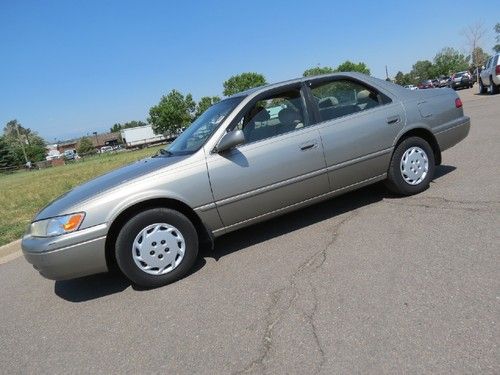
(280, 164)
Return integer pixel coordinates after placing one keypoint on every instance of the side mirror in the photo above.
(230, 140)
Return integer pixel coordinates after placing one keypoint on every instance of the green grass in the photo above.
(23, 194)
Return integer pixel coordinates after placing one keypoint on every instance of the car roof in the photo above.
(355, 75)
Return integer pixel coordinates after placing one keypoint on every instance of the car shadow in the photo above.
(101, 285)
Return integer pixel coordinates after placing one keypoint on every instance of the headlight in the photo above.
(56, 226)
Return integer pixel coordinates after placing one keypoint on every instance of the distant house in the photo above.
(67, 145)
(105, 139)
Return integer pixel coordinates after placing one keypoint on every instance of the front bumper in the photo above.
(75, 254)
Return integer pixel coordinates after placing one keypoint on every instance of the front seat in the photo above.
(290, 119)
(252, 134)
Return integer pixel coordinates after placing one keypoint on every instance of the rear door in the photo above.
(359, 125)
(280, 164)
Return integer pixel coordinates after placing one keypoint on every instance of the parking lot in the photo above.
(366, 282)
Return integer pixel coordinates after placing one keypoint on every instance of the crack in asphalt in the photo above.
(448, 204)
(284, 299)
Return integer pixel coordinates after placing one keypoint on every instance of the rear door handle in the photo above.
(393, 119)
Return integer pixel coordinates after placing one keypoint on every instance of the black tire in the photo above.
(482, 88)
(395, 181)
(493, 87)
(125, 242)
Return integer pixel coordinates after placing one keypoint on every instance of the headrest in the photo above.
(288, 116)
(259, 114)
(328, 102)
(363, 94)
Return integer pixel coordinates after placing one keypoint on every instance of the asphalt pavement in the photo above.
(364, 283)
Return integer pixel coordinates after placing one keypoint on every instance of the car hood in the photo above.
(105, 182)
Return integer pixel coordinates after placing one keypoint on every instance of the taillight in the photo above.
(497, 70)
(458, 103)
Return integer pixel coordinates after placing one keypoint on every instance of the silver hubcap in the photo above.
(414, 165)
(158, 249)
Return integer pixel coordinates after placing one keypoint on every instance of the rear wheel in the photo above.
(482, 88)
(156, 247)
(411, 168)
(493, 87)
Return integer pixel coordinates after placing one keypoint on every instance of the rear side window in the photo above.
(344, 97)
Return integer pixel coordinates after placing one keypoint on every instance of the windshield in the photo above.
(202, 128)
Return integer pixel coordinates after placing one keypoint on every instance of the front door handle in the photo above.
(307, 146)
(393, 119)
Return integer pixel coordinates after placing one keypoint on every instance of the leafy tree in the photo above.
(24, 143)
(422, 70)
(205, 103)
(348, 66)
(317, 70)
(404, 79)
(85, 147)
(7, 157)
(480, 58)
(448, 61)
(242, 82)
(172, 112)
(496, 48)
(131, 124)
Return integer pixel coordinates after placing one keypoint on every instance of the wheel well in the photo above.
(204, 235)
(426, 135)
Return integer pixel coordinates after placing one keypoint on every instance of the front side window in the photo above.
(194, 137)
(343, 97)
(272, 116)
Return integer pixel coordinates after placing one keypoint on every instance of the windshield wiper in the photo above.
(164, 152)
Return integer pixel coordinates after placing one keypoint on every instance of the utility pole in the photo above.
(21, 142)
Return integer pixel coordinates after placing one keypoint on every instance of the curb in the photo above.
(10, 251)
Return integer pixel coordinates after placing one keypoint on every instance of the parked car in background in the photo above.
(53, 155)
(444, 81)
(106, 149)
(435, 83)
(490, 76)
(427, 84)
(411, 87)
(70, 155)
(461, 80)
(235, 166)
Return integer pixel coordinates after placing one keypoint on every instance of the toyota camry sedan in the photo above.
(252, 156)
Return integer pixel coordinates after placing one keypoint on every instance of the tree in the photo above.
(480, 57)
(242, 82)
(403, 79)
(205, 103)
(348, 66)
(448, 61)
(7, 157)
(496, 48)
(25, 144)
(422, 70)
(131, 124)
(474, 35)
(85, 147)
(172, 112)
(317, 70)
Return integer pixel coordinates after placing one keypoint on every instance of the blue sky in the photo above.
(68, 68)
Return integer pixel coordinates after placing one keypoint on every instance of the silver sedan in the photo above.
(252, 156)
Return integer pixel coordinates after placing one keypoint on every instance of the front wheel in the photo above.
(156, 247)
(411, 168)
